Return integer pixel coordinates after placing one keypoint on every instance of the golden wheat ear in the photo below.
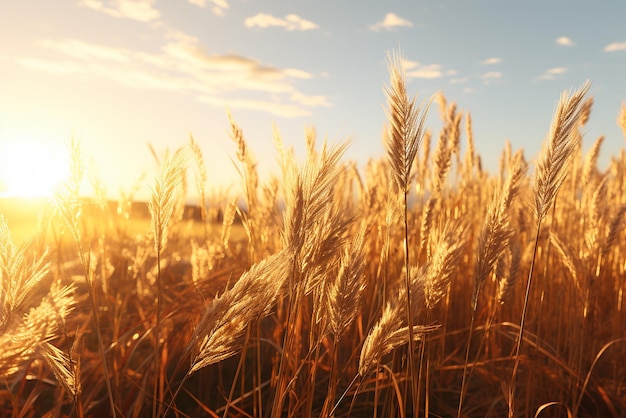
(345, 293)
(496, 232)
(562, 141)
(217, 335)
(388, 334)
(163, 200)
(406, 124)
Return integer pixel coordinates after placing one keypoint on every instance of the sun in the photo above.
(32, 168)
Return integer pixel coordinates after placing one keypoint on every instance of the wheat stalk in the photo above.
(28, 323)
(403, 136)
(161, 206)
(217, 336)
(68, 204)
(249, 300)
(550, 173)
(314, 231)
(344, 293)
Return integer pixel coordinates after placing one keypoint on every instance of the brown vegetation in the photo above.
(421, 285)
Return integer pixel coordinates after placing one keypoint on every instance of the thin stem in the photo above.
(156, 405)
(409, 306)
(345, 392)
(94, 313)
(521, 327)
(292, 315)
(332, 383)
(237, 372)
(180, 386)
(467, 351)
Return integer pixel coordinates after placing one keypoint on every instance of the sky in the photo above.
(118, 75)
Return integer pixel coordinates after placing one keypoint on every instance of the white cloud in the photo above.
(490, 76)
(565, 41)
(408, 64)
(491, 61)
(290, 22)
(615, 46)
(199, 3)
(310, 101)
(459, 80)
(552, 73)
(271, 107)
(415, 69)
(59, 68)
(295, 73)
(426, 71)
(140, 10)
(183, 65)
(390, 22)
(83, 50)
(469, 90)
(219, 7)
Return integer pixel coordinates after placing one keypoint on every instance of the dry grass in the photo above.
(421, 285)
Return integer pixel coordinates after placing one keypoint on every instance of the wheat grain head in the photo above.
(562, 141)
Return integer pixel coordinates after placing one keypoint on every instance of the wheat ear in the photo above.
(493, 240)
(562, 141)
(217, 336)
(68, 204)
(550, 173)
(406, 124)
(161, 206)
(403, 136)
(201, 182)
(28, 323)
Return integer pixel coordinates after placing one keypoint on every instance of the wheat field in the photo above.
(419, 285)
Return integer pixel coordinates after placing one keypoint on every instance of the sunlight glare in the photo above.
(32, 168)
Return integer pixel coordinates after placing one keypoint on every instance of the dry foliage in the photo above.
(395, 290)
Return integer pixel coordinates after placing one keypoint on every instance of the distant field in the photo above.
(24, 216)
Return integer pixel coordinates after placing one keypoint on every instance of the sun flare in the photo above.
(31, 168)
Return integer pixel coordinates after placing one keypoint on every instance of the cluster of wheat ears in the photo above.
(420, 285)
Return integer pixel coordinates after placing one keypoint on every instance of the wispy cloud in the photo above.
(183, 65)
(491, 61)
(290, 22)
(426, 71)
(490, 76)
(564, 41)
(219, 7)
(141, 10)
(310, 101)
(415, 69)
(459, 80)
(87, 51)
(615, 46)
(39, 64)
(390, 22)
(272, 107)
(552, 73)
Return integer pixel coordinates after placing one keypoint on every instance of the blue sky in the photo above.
(121, 74)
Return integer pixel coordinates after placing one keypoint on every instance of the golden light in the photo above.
(32, 168)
